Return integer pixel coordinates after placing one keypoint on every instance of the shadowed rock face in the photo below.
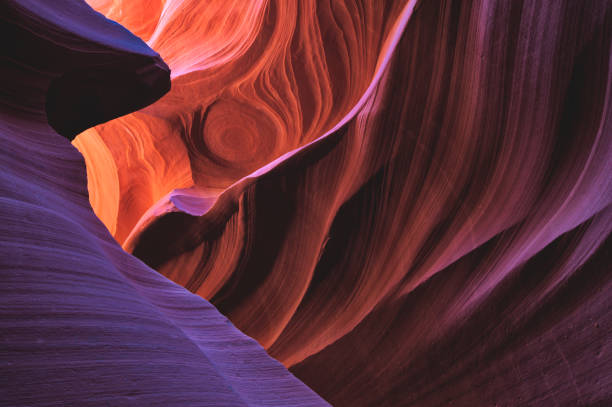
(404, 202)
(44, 59)
(83, 323)
(87, 96)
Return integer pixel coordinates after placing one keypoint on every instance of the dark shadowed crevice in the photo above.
(82, 98)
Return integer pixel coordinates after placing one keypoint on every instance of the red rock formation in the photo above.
(407, 203)
(83, 323)
(275, 73)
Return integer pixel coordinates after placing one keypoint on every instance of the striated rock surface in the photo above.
(405, 202)
(83, 323)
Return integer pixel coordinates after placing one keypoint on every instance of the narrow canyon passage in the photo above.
(402, 202)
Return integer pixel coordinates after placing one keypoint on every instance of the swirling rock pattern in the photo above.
(405, 202)
(83, 323)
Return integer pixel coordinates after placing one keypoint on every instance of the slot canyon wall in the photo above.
(82, 322)
(404, 202)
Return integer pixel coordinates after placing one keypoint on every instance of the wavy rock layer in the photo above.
(250, 84)
(81, 321)
(407, 203)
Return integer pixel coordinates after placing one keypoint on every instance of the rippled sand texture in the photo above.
(82, 322)
(405, 202)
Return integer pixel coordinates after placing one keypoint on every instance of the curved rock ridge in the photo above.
(78, 93)
(81, 321)
(289, 72)
(406, 203)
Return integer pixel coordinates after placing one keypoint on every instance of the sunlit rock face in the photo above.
(405, 202)
(251, 81)
(82, 322)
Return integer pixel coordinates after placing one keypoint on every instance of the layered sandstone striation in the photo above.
(405, 202)
(82, 322)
